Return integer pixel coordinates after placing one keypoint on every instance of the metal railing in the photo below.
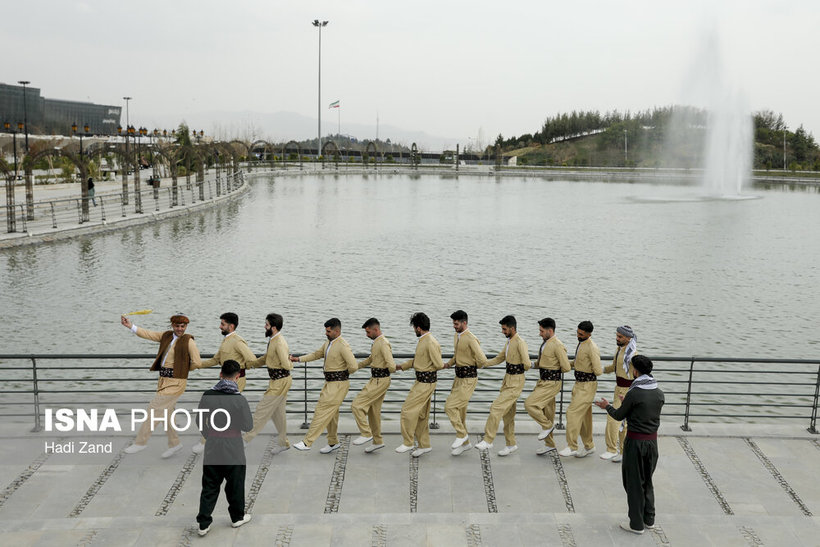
(696, 388)
(69, 212)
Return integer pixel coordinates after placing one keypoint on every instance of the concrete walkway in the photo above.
(718, 485)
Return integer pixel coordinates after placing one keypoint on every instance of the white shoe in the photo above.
(279, 449)
(545, 450)
(171, 451)
(301, 446)
(361, 440)
(420, 452)
(608, 455)
(134, 448)
(628, 528)
(202, 532)
(244, 520)
(618, 457)
(402, 448)
(484, 445)
(327, 449)
(198, 448)
(583, 452)
(545, 433)
(373, 448)
(245, 444)
(507, 450)
(461, 449)
(459, 441)
(567, 452)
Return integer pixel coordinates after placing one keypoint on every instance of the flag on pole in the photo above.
(334, 104)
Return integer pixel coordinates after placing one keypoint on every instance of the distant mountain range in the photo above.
(283, 126)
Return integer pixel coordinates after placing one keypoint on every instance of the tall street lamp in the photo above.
(11, 221)
(24, 83)
(319, 25)
(74, 131)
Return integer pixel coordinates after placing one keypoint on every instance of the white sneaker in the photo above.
(420, 452)
(618, 457)
(484, 445)
(583, 452)
(545, 433)
(608, 455)
(245, 444)
(327, 449)
(545, 450)
(202, 532)
(361, 440)
(459, 441)
(171, 451)
(198, 448)
(373, 448)
(567, 452)
(628, 528)
(402, 448)
(301, 446)
(461, 449)
(134, 448)
(279, 449)
(507, 450)
(244, 520)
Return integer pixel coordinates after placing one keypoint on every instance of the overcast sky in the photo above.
(448, 68)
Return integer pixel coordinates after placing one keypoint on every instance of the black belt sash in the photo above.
(622, 382)
(548, 374)
(380, 372)
(585, 376)
(515, 369)
(166, 372)
(277, 373)
(336, 376)
(426, 377)
(470, 371)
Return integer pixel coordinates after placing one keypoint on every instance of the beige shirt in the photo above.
(233, 347)
(156, 336)
(381, 355)
(276, 355)
(515, 352)
(427, 357)
(588, 358)
(617, 365)
(338, 357)
(467, 351)
(553, 356)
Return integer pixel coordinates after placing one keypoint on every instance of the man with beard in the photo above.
(641, 407)
(551, 364)
(177, 355)
(587, 364)
(367, 406)
(339, 364)
(416, 408)
(616, 431)
(233, 347)
(467, 358)
(517, 357)
(272, 406)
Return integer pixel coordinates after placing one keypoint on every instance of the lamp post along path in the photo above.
(24, 83)
(319, 25)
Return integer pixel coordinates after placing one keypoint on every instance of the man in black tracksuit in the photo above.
(224, 451)
(641, 408)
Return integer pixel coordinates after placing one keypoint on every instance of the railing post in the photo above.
(124, 203)
(560, 425)
(685, 425)
(37, 425)
(813, 424)
(434, 423)
(53, 216)
(102, 208)
(23, 217)
(305, 424)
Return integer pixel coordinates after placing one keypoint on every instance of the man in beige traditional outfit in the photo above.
(551, 364)
(616, 431)
(273, 404)
(233, 347)
(467, 359)
(177, 355)
(339, 364)
(367, 406)
(587, 364)
(416, 408)
(517, 356)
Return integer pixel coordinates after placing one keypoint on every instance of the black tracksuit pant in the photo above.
(212, 477)
(637, 467)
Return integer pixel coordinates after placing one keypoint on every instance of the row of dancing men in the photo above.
(178, 355)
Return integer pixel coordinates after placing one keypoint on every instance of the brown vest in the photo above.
(182, 359)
